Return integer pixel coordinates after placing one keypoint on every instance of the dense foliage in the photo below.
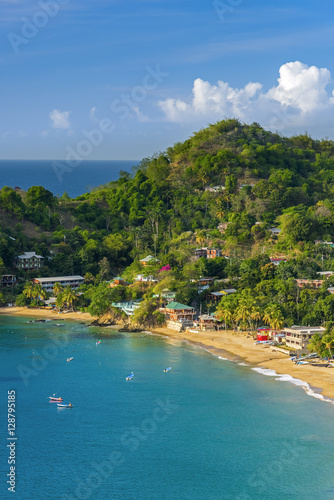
(173, 202)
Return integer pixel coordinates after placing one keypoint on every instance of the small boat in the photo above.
(70, 359)
(167, 369)
(130, 377)
(65, 406)
(53, 399)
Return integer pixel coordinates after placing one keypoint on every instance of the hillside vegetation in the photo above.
(170, 204)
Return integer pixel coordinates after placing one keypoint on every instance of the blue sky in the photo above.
(132, 78)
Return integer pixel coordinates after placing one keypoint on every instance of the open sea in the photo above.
(208, 429)
(74, 180)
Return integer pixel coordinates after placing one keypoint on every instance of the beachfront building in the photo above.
(298, 337)
(48, 283)
(8, 280)
(149, 260)
(206, 322)
(29, 261)
(176, 311)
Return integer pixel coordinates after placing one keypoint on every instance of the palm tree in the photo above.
(248, 310)
(57, 288)
(316, 344)
(28, 290)
(273, 316)
(69, 296)
(225, 313)
(39, 292)
(328, 343)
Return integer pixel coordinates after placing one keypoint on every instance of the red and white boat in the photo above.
(54, 400)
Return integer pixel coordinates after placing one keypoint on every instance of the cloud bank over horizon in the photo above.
(299, 101)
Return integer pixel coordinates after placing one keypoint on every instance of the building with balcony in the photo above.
(29, 261)
(298, 337)
(48, 283)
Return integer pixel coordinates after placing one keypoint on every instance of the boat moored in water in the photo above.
(130, 377)
(53, 399)
(167, 369)
(65, 406)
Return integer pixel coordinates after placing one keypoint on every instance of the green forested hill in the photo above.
(166, 205)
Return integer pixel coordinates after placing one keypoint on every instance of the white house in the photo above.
(298, 337)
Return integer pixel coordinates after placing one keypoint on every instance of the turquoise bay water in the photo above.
(209, 429)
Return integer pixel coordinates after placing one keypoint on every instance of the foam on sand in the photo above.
(287, 378)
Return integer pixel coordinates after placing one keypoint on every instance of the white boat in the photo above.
(69, 359)
(130, 377)
(167, 369)
(65, 406)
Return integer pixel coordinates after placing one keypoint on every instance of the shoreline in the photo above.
(240, 348)
(235, 347)
(45, 313)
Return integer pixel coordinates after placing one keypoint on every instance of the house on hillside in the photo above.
(330, 244)
(277, 262)
(207, 253)
(298, 337)
(325, 274)
(275, 231)
(149, 260)
(215, 189)
(128, 307)
(29, 261)
(145, 279)
(48, 283)
(309, 283)
(223, 226)
(118, 282)
(8, 280)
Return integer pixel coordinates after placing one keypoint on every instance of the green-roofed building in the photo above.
(177, 312)
(149, 260)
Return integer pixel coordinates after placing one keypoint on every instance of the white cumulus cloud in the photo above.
(299, 101)
(60, 119)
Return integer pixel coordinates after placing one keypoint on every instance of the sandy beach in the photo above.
(234, 346)
(45, 313)
(241, 347)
